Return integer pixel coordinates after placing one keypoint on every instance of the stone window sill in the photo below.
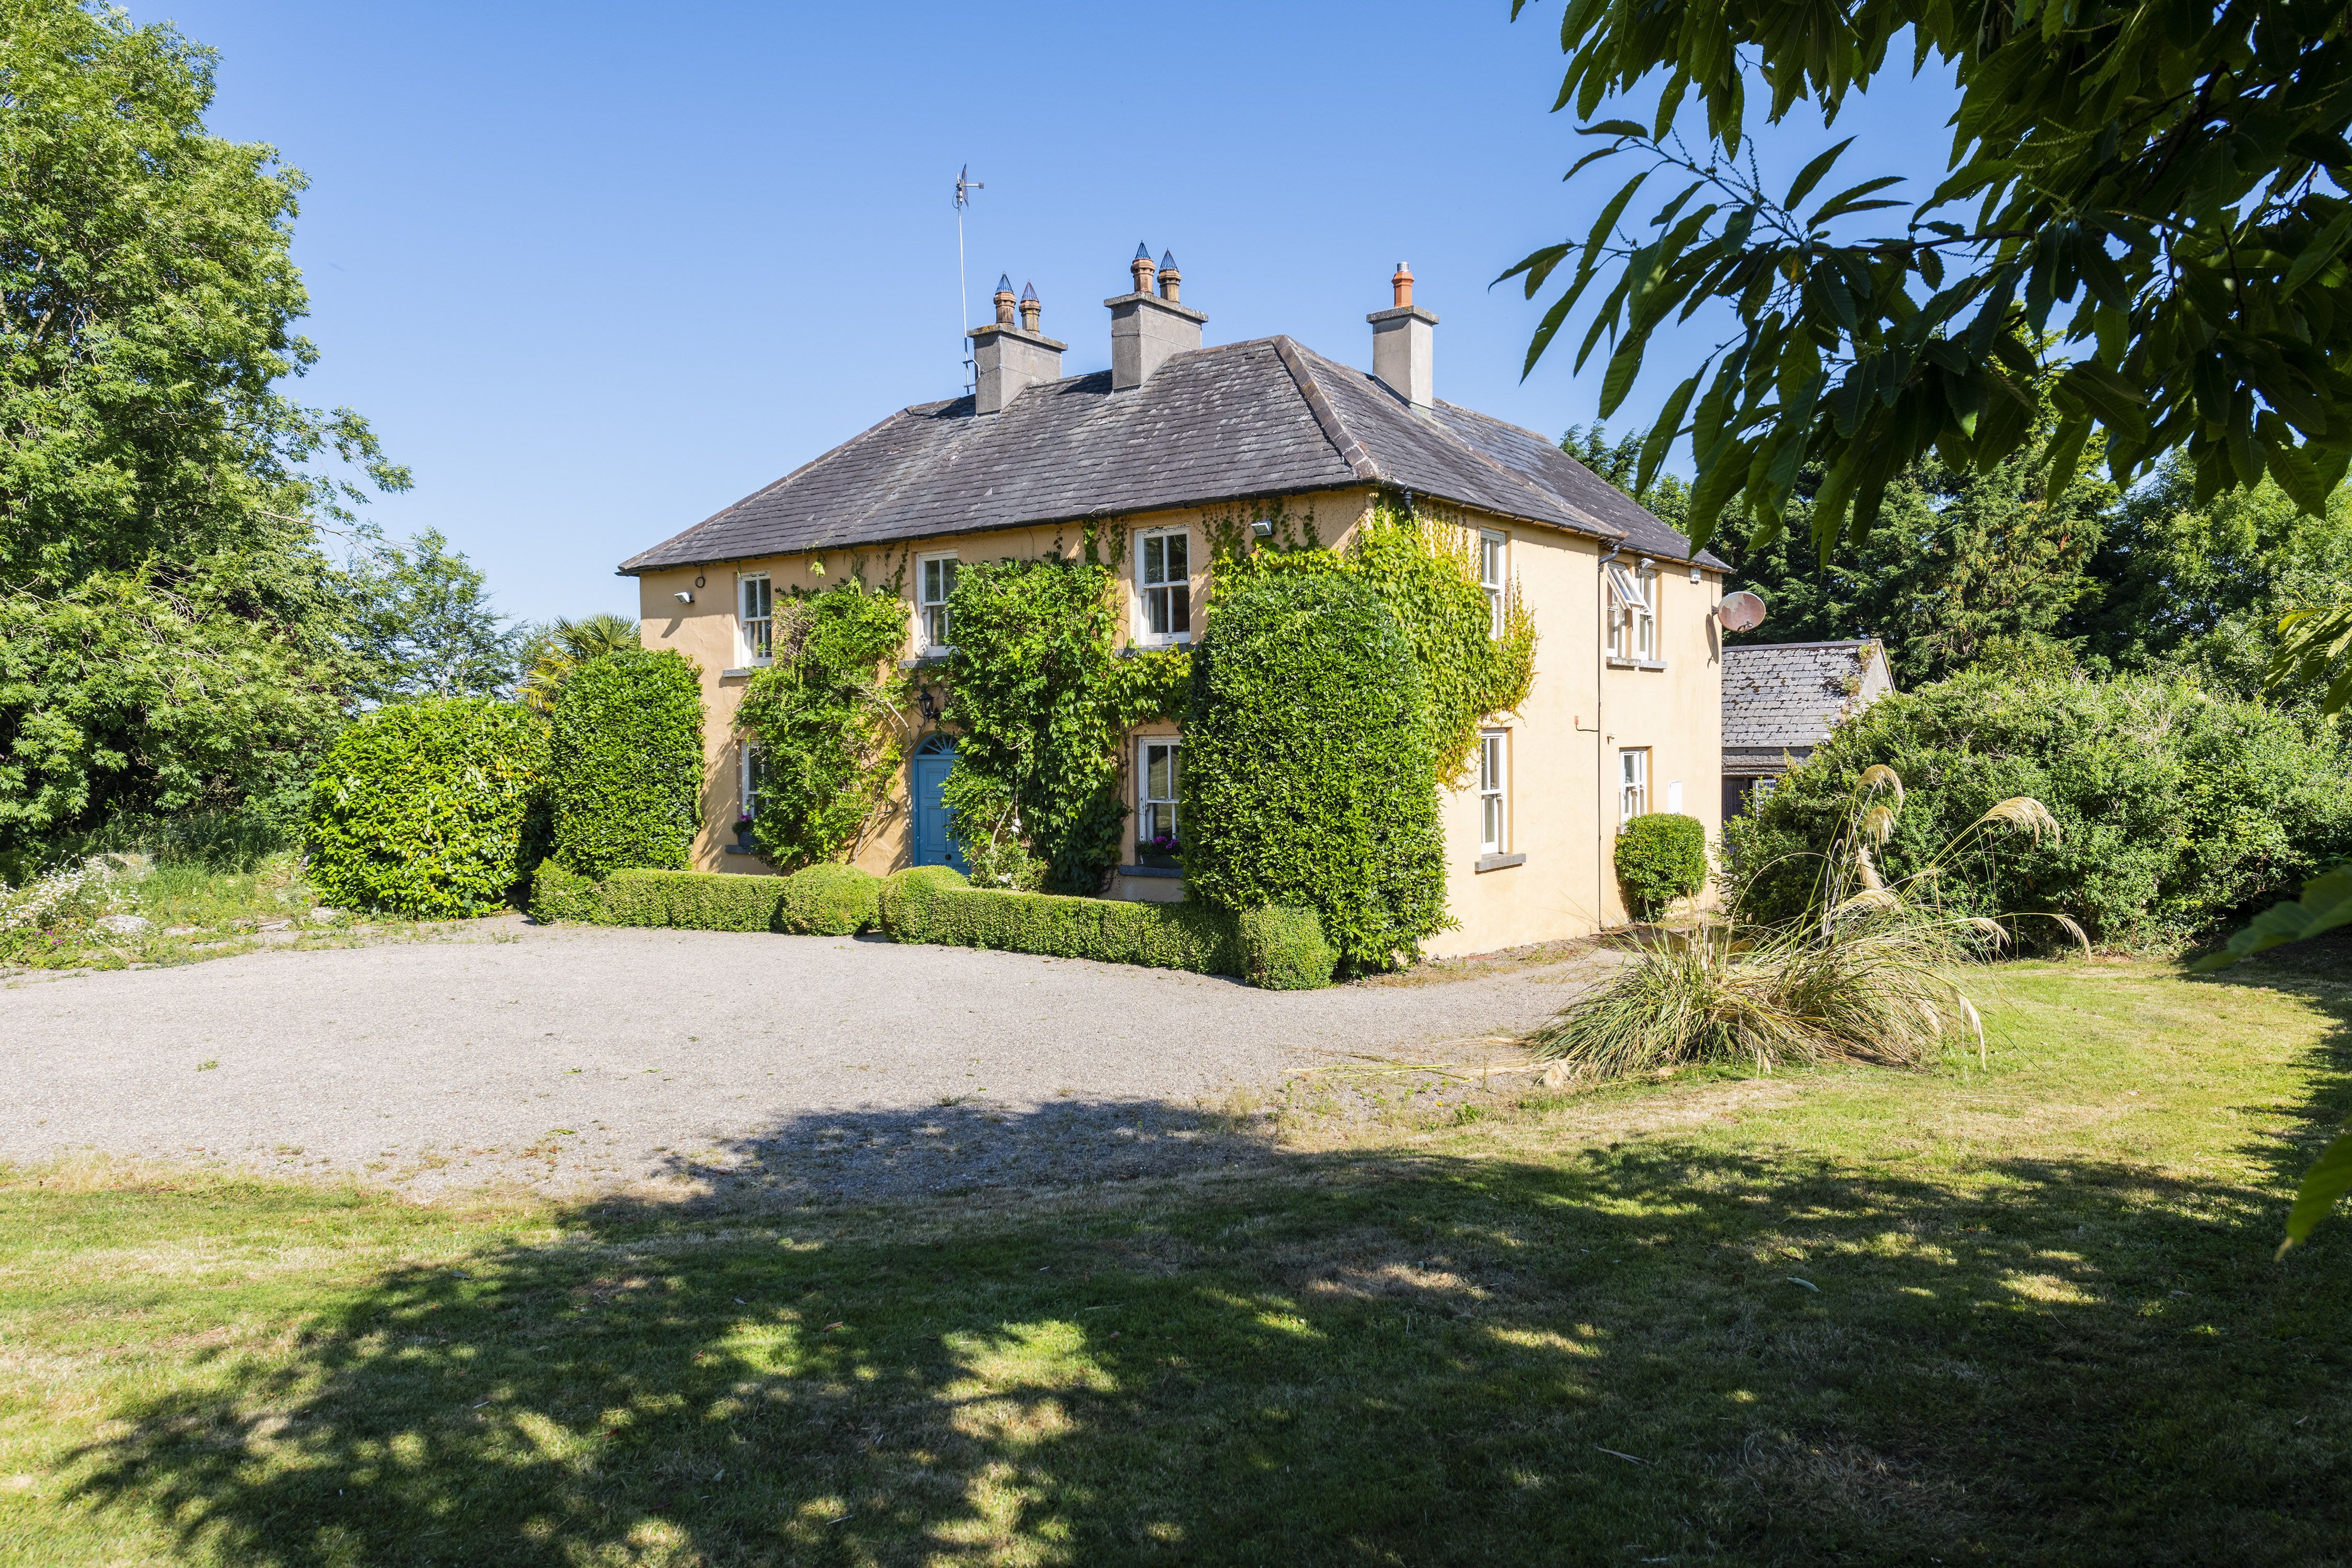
(1637, 664)
(926, 660)
(1172, 872)
(1500, 862)
(735, 675)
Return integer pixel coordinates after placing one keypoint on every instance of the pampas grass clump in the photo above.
(1868, 974)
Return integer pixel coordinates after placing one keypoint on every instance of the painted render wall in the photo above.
(1562, 744)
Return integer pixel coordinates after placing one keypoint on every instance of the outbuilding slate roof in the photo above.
(1785, 698)
(1245, 420)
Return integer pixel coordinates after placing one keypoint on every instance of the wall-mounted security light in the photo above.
(684, 595)
(1693, 574)
(1263, 528)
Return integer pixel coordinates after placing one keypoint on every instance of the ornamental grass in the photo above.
(1868, 974)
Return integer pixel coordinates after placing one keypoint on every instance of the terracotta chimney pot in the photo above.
(1004, 300)
(1402, 284)
(1142, 268)
(1171, 277)
(1030, 308)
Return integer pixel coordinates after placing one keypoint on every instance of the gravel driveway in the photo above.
(577, 1059)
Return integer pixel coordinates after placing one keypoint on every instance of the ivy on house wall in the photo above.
(1426, 570)
(1042, 696)
(827, 717)
(1306, 777)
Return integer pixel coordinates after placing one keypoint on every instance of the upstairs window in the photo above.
(1632, 628)
(1164, 576)
(934, 582)
(1494, 814)
(1492, 560)
(755, 616)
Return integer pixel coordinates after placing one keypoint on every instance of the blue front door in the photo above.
(934, 844)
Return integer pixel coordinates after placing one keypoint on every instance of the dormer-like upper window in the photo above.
(1631, 632)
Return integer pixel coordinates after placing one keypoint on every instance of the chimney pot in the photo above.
(1010, 357)
(1404, 341)
(1146, 326)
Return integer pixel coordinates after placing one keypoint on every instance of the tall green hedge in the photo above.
(1660, 857)
(2176, 809)
(624, 768)
(1308, 776)
(425, 808)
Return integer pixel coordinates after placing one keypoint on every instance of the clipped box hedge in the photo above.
(822, 901)
(1277, 949)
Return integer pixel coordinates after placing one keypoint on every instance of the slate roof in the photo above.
(1262, 419)
(1786, 696)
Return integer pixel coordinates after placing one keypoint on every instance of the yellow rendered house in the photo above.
(1625, 713)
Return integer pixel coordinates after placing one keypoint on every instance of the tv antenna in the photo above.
(965, 186)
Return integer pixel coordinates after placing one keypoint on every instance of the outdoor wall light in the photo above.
(1263, 528)
(684, 595)
(929, 704)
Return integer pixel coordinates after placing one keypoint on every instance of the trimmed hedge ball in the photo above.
(1660, 856)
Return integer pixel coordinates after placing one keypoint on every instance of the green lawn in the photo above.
(2039, 1322)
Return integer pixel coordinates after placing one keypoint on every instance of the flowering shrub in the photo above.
(66, 902)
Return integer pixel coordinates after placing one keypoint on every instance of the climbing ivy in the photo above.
(828, 718)
(1424, 568)
(1042, 696)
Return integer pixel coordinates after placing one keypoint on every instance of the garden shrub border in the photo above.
(1273, 949)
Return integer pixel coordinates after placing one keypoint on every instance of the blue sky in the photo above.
(595, 271)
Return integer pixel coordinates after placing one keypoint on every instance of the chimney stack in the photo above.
(1404, 341)
(1008, 359)
(1146, 328)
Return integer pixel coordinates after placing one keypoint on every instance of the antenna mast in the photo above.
(965, 186)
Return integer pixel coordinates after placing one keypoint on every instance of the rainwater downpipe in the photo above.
(1599, 747)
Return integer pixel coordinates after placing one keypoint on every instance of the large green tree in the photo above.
(2144, 213)
(168, 626)
(1960, 562)
(419, 622)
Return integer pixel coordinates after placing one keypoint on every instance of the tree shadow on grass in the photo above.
(1663, 1352)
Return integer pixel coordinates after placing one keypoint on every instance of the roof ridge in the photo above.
(1513, 479)
(1318, 402)
(1827, 642)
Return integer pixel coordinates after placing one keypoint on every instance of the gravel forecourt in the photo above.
(581, 1060)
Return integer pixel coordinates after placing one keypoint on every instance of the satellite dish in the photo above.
(1741, 612)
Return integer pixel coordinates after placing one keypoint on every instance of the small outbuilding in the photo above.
(1781, 700)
